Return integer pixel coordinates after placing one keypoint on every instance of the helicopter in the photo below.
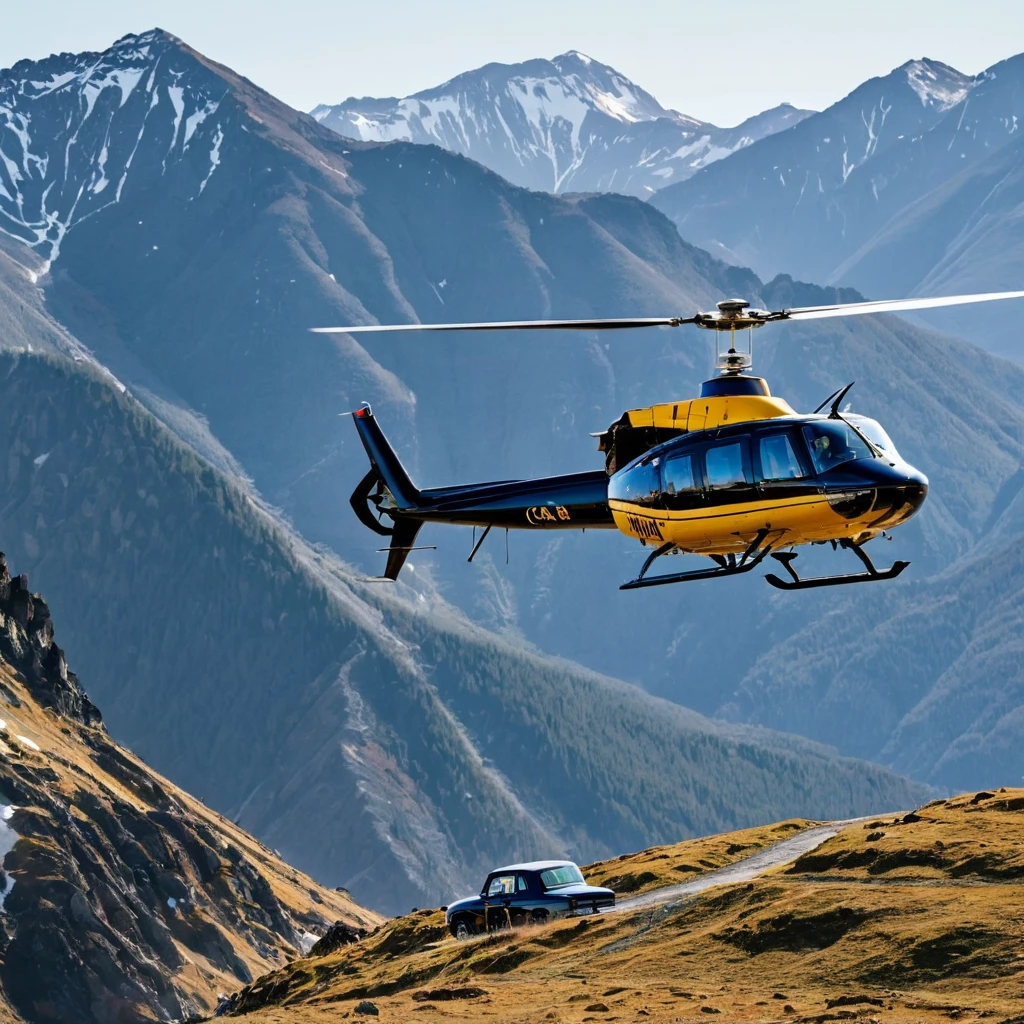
(735, 474)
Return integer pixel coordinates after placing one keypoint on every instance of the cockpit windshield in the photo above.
(833, 442)
(873, 431)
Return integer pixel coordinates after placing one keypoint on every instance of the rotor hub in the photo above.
(732, 315)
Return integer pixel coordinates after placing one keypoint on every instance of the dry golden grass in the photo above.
(661, 866)
(907, 919)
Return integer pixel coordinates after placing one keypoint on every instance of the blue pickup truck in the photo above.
(522, 894)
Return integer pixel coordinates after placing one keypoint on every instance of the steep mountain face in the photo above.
(121, 897)
(570, 124)
(802, 201)
(75, 125)
(380, 743)
(962, 236)
(908, 186)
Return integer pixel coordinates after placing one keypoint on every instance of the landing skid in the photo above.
(796, 583)
(728, 565)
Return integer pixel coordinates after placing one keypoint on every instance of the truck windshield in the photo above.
(832, 442)
(565, 875)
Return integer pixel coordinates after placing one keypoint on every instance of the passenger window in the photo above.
(778, 460)
(724, 465)
(678, 475)
(502, 885)
(521, 885)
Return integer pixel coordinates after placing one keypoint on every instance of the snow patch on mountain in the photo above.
(937, 84)
(111, 111)
(570, 123)
(8, 837)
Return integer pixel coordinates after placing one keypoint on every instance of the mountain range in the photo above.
(176, 464)
(908, 186)
(569, 124)
(377, 743)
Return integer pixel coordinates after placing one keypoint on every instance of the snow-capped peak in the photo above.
(570, 122)
(75, 127)
(937, 84)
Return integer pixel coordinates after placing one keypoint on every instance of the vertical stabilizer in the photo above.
(383, 456)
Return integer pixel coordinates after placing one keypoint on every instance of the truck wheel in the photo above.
(461, 929)
(539, 917)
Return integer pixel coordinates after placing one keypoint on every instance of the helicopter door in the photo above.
(781, 472)
(728, 473)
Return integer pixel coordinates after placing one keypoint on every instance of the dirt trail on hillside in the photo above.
(742, 871)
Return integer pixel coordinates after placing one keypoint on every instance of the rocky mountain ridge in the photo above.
(104, 104)
(122, 898)
(569, 124)
(27, 646)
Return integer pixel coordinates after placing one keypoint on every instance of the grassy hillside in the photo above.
(390, 746)
(907, 918)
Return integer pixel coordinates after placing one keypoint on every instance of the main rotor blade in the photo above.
(887, 306)
(517, 325)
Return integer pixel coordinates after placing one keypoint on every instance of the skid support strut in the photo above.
(728, 565)
(870, 576)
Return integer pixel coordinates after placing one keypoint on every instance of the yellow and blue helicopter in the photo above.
(735, 474)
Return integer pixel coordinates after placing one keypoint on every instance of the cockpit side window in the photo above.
(834, 442)
(778, 459)
(724, 466)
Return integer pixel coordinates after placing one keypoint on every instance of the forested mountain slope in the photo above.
(387, 746)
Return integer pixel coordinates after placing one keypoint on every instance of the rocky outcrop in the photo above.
(122, 898)
(26, 644)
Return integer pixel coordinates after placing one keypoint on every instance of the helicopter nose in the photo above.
(899, 500)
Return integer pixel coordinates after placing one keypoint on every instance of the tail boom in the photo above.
(575, 501)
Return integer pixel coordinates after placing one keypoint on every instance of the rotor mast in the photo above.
(731, 317)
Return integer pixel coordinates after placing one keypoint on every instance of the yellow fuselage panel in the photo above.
(706, 413)
(730, 528)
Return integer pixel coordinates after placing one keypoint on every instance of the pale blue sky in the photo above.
(720, 60)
